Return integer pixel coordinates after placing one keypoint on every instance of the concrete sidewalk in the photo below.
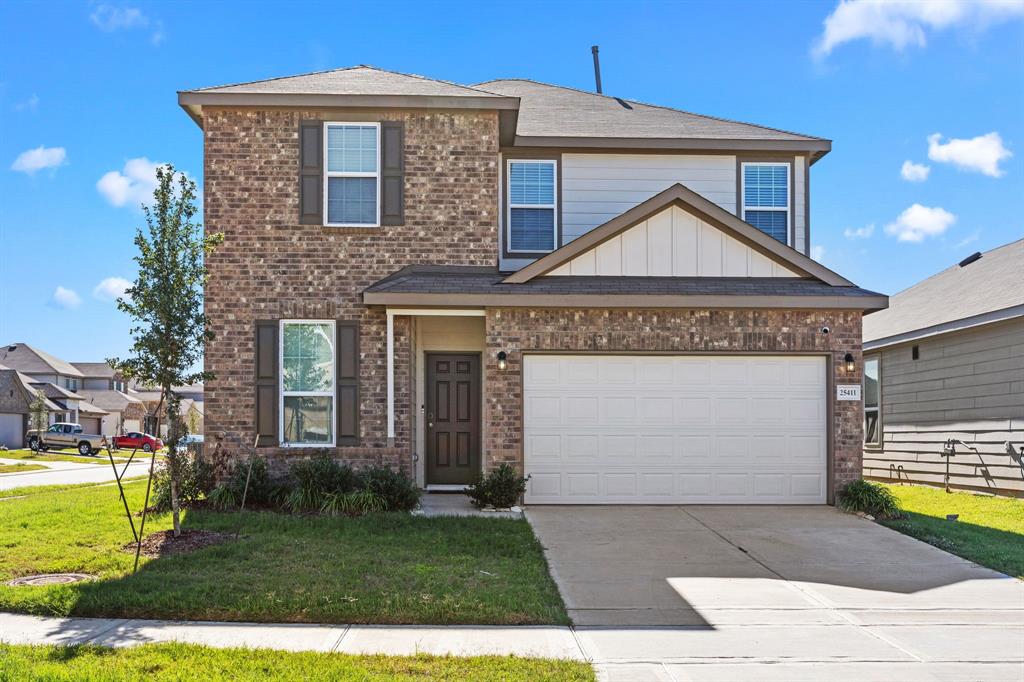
(770, 652)
(68, 473)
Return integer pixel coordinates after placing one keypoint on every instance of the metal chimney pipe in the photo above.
(597, 68)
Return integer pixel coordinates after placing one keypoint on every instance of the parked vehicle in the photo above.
(142, 441)
(192, 441)
(66, 435)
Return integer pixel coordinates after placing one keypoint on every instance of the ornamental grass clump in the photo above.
(869, 498)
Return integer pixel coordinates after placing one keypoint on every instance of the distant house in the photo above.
(191, 407)
(16, 397)
(946, 361)
(107, 389)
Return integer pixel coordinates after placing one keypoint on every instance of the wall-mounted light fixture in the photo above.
(850, 366)
(502, 359)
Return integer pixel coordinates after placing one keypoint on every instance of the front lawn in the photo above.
(19, 468)
(990, 530)
(184, 662)
(62, 456)
(381, 568)
(55, 487)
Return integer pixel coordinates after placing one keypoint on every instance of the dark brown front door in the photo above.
(453, 418)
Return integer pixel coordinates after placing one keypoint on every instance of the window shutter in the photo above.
(392, 173)
(311, 184)
(348, 382)
(266, 383)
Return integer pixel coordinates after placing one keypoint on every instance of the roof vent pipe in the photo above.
(970, 259)
(597, 68)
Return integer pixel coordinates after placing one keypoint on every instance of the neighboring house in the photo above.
(106, 389)
(615, 298)
(41, 366)
(946, 361)
(100, 376)
(190, 408)
(16, 397)
(74, 407)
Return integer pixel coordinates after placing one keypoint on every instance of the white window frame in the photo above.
(877, 445)
(508, 209)
(339, 174)
(332, 394)
(789, 194)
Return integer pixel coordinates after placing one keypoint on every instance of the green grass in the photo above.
(382, 568)
(990, 530)
(63, 456)
(19, 468)
(187, 662)
(27, 490)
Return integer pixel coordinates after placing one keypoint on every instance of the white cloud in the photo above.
(111, 288)
(39, 158)
(133, 186)
(66, 298)
(109, 18)
(817, 252)
(29, 104)
(906, 23)
(982, 153)
(914, 172)
(969, 239)
(918, 222)
(859, 232)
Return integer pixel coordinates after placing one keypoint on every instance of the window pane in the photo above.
(308, 357)
(871, 382)
(308, 420)
(533, 229)
(772, 223)
(871, 432)
(532, 183)
(352, 201)
(766, 186)
(352, 149)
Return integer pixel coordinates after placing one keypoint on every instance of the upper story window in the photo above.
(307, 382)
(532, 210)
(352, 174)
(765, 204)
(872, 402)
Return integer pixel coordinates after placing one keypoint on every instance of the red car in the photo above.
(134, 439)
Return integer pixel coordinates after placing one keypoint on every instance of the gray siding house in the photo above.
(945, 362)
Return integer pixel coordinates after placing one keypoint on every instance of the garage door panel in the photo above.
(675, 429)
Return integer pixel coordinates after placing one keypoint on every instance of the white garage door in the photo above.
(603, 429)
(11, 430)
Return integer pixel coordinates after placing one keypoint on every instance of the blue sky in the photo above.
(87, 104)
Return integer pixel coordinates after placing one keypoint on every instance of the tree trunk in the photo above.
(175, 506)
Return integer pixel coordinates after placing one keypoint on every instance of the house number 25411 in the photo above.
(848, 392)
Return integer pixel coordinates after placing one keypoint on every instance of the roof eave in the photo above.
(815, 147)
(948, 327)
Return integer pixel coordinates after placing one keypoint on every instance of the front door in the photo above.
(453, 418)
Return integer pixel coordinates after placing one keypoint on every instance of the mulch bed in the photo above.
(163, 543)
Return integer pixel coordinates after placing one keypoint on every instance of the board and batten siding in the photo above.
(673, 243)
(967, 385)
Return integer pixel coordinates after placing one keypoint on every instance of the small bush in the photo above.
(500, 488)
(195, 481)
(398, 492)
(263, 491)
(869, 498)
(313, 479)
(352, 504)
(223, 497)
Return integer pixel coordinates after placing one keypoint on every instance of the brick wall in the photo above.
(271, 267)
(514, 330)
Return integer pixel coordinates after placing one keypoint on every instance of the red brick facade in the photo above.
(515, 330)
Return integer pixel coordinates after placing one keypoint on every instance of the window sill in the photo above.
(354, 230)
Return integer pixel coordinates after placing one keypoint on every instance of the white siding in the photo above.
(673, 243)
(799, 214)
(599, 187)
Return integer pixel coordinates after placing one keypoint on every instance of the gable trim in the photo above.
(678, 195)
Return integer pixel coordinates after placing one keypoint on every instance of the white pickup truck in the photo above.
(66, 435)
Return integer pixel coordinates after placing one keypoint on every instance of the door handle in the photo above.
(430, 420)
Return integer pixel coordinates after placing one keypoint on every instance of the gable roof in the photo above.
(692, 202)
(985, 290)
(555, 115)
(115, 401)
(25, 383)
(94, 370)
(30, 360)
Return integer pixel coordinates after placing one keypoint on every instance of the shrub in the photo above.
(263, 491)
(195, 481)
(398, 492)
(869, 498)
(313, 479)
(352, 504)
(223, 497)
(500, 488)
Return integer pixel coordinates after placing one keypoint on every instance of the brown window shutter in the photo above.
(266, 383)
(311, 182)
(348, 382)
(392, 173)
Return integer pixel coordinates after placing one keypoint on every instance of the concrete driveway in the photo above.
(714, 592)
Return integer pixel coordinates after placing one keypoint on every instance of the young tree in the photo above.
(37, 411)
(166, 302)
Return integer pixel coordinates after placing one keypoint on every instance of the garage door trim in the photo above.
(829, 390)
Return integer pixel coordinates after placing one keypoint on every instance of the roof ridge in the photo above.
(655, 106)
(954, 265)
(347, 68)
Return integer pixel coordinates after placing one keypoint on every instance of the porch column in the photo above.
(391, 377)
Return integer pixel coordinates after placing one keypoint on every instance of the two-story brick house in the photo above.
(615, 297)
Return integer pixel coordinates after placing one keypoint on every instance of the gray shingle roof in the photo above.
(353, 80)
(556, 111)
(115, 401)
(992, 283)
(29, 360)
(426, 279)
(95, 370)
